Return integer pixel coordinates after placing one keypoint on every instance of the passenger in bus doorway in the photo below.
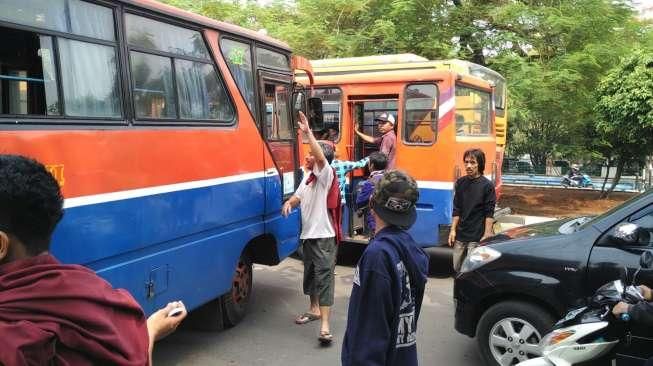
(387, 141)
(318, 234)
(378, 163)
(53, 313)
(473, 208)
(342, 167)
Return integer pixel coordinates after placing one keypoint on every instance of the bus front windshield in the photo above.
(498, 81)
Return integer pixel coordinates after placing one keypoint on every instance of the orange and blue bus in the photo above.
(439, 114)
(171, 136)
(500, 103)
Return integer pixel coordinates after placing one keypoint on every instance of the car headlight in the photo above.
(557, 336)
(478, 257)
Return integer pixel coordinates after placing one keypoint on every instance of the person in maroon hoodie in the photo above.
(57, 314)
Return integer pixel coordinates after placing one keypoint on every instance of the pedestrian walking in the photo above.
(389, 282)
(473, 208)
(319, 230)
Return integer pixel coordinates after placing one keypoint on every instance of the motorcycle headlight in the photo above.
(478, 257)
(556, 337)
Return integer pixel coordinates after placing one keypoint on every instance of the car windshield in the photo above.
(615, 208)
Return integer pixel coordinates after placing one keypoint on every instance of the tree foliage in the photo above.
(624, 127)
(553, 52)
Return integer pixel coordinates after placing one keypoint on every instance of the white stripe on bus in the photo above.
(149, 191)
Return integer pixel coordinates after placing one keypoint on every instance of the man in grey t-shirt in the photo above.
(388, 140)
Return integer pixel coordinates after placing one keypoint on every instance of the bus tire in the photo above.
(234, 303)
(208, 317)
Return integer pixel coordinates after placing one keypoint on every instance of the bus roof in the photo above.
(468, 67)
(401, 61)
(370, 76)
(368, 60)
(206, 22)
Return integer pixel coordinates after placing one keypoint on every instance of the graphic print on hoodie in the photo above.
(385, 302)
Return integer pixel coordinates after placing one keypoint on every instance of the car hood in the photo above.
(543, 229)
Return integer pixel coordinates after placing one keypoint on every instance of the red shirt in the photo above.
(57, 314)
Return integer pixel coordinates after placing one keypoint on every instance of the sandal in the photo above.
(325, 338)
(307, 317)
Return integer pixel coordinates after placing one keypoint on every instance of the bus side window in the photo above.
(28, 80)
(36, 67)
(277, 118)
(331, 111)
(421, 111)
(173, 74)
(473, 108)
(239, 59)
(154, 94)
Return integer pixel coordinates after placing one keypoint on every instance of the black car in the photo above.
(511, 290)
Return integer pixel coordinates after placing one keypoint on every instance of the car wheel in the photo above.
(510, 332)
(235, 301)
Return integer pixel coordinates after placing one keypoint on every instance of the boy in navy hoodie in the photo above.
(389, 282)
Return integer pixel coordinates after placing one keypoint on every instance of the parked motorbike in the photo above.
(588, 334)
(580, 181)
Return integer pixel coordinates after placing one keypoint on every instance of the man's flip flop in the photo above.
(307, 317)
(325, 338)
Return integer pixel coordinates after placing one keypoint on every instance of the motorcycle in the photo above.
(580, 181)
(588, 334)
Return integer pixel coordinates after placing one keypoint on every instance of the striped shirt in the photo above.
(342, 167)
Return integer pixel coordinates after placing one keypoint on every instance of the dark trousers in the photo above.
(649, 362)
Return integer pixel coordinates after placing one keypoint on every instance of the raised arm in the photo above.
(316, 150)
(364, 137)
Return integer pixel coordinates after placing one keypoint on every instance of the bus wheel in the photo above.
(235, 301)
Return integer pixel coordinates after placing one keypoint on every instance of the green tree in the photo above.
(625, 110)
(553, 52)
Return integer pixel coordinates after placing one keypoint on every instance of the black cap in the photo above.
(394, 199)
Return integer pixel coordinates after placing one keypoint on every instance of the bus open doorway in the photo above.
(364, 110)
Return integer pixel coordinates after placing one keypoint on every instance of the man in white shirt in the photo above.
(318, 234)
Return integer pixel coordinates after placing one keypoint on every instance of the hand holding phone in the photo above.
(176, 311)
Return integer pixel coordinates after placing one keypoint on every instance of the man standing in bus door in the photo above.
(61, 313)
(388, 140)
(473, 208)
(318, 231)
(389, 281)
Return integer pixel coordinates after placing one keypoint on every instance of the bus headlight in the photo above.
(478, 257)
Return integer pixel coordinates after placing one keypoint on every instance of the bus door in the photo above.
(282, 172)
(364, 111)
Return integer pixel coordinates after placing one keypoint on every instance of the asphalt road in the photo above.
(268, 336)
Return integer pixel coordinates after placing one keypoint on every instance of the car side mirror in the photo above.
(625, 233)
(646, 260)
(315, 114)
